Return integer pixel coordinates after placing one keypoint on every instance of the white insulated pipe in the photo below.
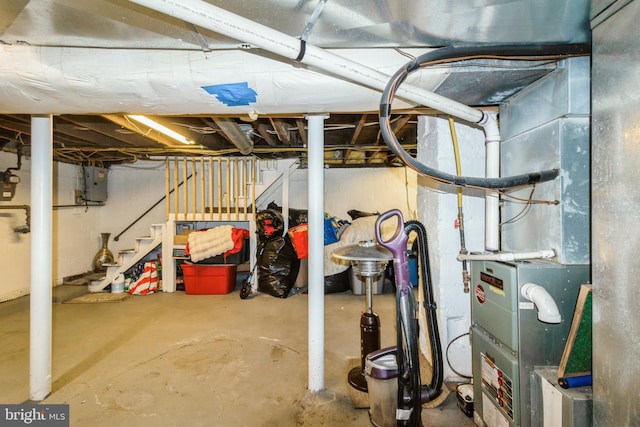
(41, 257)
(492, 170)
(315, 154)
(507, 256)
(216, 19)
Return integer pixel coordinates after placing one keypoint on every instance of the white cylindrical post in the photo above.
(315, 154)
(41, 250)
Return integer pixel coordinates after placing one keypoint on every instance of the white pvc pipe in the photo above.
(507, 256)
(492, 170)
(41, 257)
(213, 18)
(315, 153)
(547, 309)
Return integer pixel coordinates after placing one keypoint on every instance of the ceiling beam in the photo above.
(283, 130)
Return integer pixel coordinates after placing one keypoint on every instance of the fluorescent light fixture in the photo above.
(162, 129)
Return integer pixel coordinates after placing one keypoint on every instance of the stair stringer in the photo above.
(129, 257)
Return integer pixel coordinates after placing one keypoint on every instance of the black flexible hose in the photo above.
(433, 390)
(459, 53)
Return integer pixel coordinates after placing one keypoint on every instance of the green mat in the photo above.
(576, 358)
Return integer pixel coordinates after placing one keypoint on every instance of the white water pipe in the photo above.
(40, 310)
(492, 170)
(315, 153)
(547, 309)
(507, 256)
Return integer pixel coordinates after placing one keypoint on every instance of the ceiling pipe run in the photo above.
(213, 18)
(234, 134)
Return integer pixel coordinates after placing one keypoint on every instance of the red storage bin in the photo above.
(200, 279)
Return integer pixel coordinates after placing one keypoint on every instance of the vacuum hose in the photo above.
(433, 390)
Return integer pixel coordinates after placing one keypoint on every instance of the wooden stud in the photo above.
(202, 187)
(254, 164)
(219, 187)
(228, 198)
(185, 185)
(176, 190)
(210, 188)
(167, 188)
(244, 186)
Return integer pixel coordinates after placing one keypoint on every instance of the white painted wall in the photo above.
(438, 211)
(364, 189)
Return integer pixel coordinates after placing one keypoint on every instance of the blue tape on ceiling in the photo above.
(233, 94)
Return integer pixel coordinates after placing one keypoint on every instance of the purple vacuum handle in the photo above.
(397, 244)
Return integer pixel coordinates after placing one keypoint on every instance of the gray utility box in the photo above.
(95, 184)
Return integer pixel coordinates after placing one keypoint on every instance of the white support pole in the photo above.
(41, 256)
(315, 154)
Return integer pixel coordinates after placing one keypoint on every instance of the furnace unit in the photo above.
(508, 339)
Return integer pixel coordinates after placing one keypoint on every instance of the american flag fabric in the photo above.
(144, 279)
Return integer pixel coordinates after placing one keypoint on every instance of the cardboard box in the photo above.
(183, 238)
(200, 279)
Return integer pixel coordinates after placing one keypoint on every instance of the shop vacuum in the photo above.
(411, 392)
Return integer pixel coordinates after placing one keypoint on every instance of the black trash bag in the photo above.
(269, 223)
(296, 216)
(355, 214)
(278, 266)
(337, 283)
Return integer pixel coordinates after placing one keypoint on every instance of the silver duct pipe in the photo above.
(235, 135)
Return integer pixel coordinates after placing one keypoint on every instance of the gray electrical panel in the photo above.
(508, 340)
(95, 184)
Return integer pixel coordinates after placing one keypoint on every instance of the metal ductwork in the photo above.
(235, 134)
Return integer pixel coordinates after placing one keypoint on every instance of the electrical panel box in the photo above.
(95, 184)
(8, 181)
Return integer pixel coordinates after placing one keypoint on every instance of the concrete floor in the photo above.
(172, 359)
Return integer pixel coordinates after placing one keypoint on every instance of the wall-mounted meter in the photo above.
(8, 182)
